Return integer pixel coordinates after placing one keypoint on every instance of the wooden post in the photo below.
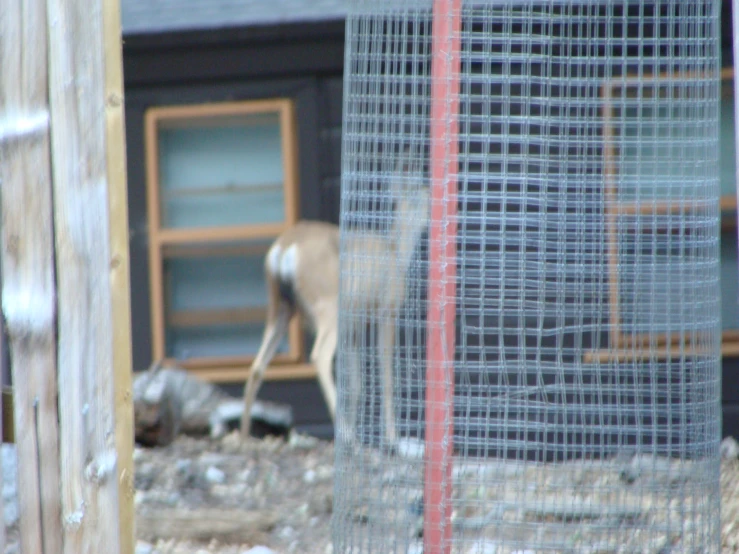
(65, 272)
(120, 287)
(28, 299)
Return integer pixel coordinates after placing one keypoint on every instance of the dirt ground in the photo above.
(280, 488)
(272, 496)
(288, 482)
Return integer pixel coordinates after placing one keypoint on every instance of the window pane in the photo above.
(653, 271)
(215, 299)
(662, 151)
(222, 171)
(728, 152)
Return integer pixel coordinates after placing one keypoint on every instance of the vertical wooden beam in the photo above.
(153, 209)
(119, 269)
(28, 298)
(85, 96)
(445, 72)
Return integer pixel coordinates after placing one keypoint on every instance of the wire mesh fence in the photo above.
(529, 318)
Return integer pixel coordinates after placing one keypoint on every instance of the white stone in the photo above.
(729, 449)
(412, 449)
(143, 547)
(259, 550)
(215, 475)
(484, 546)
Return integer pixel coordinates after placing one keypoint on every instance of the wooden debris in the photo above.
(169, 401)
(223, 525)
(578, 510)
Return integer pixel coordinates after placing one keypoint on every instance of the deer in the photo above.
(302, 274)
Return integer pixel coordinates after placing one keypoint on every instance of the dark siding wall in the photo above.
(331, 101)
(304, 63)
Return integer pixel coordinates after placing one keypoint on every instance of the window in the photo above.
(642, 190)
(222, 184)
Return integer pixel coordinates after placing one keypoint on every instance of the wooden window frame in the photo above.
(203, 241)
(626, 347)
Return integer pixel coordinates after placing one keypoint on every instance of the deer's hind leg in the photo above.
(279, 313)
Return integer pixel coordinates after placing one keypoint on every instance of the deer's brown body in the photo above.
(302, 273)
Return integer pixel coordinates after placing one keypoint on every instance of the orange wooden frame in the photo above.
(189, 242)
(625, 347)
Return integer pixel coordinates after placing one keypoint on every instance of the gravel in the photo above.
(291, 479)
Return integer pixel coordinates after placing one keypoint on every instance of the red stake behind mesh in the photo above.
(442, 277)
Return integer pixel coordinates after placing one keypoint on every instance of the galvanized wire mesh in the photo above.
(582, 252)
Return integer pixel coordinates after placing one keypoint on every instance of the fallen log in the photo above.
(204, 525)
(169, 401)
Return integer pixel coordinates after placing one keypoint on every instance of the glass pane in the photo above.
(222, 171)
(653, 267)
(661, 151)
(215, 299)
(652, 295)
(728, 152)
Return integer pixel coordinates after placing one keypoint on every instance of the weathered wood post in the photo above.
(65, 293)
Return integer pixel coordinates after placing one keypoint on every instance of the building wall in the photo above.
(303, 62)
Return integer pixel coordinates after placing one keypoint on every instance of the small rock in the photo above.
(139, 498)
(143, 547)
(409, 448)
(138, 454)
(259, 550)
(416, 507)
(286, 532)
(215, 475)
(309, 476)
(227, 491)
(321, 504)
(484, 546)
(324, 473)
(304, 442)
(212, 459)
(729, 449)
(145, 476)
(232, 442)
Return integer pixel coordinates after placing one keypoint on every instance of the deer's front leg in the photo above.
(386, 346)
(351, 379)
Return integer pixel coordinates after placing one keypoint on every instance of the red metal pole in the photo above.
(445, 65)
